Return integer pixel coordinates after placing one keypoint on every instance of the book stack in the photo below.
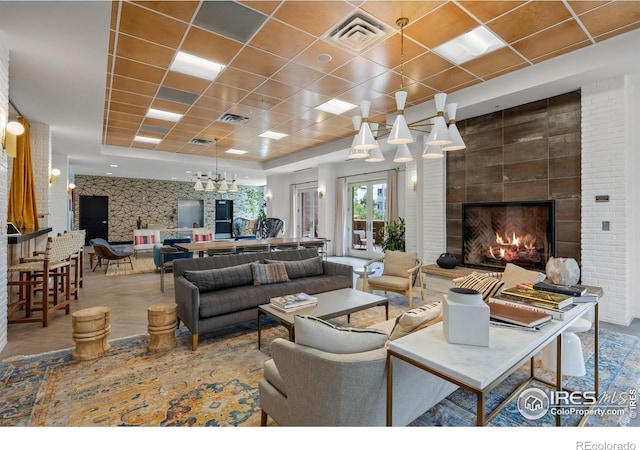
(556, 313)
(512, 315)
(578, 291)
(293, 302)
(529, 294)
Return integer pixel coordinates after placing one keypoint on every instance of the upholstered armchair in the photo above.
(401, 274)
(145, 239)
(270, 228)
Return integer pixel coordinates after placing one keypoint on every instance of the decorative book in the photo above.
(552, 299)
(575, 291)
(517, 316)
(293, 301)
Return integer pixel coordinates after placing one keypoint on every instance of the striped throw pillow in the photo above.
(484, 283)
(150, 239)
(275, 272)
(203, 237)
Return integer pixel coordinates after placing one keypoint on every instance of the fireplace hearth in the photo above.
(494, 234)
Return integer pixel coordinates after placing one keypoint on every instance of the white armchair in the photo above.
(401, 274)
(144, 240)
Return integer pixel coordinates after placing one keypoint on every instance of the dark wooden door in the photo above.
(94, 216)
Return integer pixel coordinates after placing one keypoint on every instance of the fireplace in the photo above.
(494, 234)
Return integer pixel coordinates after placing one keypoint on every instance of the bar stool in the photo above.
(35, 274)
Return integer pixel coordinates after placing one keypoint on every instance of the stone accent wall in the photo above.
(154, 201)
(529, 152)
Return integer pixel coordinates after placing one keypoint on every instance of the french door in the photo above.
(307, 203)
(367, 209)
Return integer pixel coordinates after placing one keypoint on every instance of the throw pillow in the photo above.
(203, 237)
(215, 279)
(397, 263)
(415, 319)
(515, 274)
(269, 273)
(310, 267)
(317, 333)
(487, 285)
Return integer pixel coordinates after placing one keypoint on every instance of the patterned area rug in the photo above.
(217, 384)
(141, 264)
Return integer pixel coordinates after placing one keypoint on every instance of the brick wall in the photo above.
(4, 191)
(41, 158)
(58, 197)
(431, 187)
(529, 152)
(607, 136)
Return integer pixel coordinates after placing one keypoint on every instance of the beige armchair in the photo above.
(401, 274)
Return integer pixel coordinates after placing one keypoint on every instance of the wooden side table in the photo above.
(163, 322)
(91, 327)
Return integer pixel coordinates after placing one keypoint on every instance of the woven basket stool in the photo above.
(163, 322)
(91, 327)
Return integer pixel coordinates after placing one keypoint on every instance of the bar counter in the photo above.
(27, 235)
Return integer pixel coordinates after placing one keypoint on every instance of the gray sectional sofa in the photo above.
(218, 291)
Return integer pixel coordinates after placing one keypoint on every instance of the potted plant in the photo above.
(393, 235)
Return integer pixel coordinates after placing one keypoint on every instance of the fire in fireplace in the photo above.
(494, 234)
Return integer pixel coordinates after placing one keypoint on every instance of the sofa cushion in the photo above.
(216, 279)
(303, 268)
(513, 275)
(398, 263)
(487, 285)
(275, 272)
(390, 282)
(415, 319)
(322, 335)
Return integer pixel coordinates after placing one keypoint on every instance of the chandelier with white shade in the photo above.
(216, 184)
(441, 135)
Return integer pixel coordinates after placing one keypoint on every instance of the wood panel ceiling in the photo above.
(273, 76)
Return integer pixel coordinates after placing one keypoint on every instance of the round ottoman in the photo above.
(163, 322)
(91, 327)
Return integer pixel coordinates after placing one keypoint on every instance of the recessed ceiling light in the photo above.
(335, 106)
(187, 171)
(174, 178)
(273, 135)
(148, 140)
(323, 57)
(113, 165)
(196, 66)
(163, 115)
(109, 173)
(471, 45)
(233, 151)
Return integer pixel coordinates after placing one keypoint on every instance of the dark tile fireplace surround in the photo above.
(529, 153)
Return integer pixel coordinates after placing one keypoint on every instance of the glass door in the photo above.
(367, 210)
(308, 212)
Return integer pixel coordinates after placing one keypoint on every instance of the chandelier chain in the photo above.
(402, 22)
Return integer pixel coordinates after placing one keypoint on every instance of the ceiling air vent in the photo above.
(203, 142)
(232, 119)
(357, 33)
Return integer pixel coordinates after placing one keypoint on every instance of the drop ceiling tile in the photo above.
(112, 42)
(117, 141)
(494, 62)
(264, 122)
(275, 89)
(505, 71)
(210, 46)
(561, 51)
(418, 93)
(529, 19)
(130, 98)
(113, 23)
(125, 116)
(182, 10)
(214, 104)
(611, 17)
(425, 66)
(204, 113)
(259, 101)
(257, 61)
(487, 11)
(387, 53)
(186, 83)
(359, 70)
(158, 123)
(151, 26)
(617, 32)
(265, 7)
(309, 55)
(297, 75)
(357, 94)
(280, 39)
(124, 133)
(123, 124)
(582, 6)
(166, 105)
(143, 51)
(314, 17)
(290, 108)
(229, 19)
(440, 25)
(309, 98)
(384, 103)
(227, 93)
(331, 86)
(387, 83)
(133, 69)
(129, 109)
(135, 86)
(242, 79)
(445, 81)
(390, 11)
(551, 40)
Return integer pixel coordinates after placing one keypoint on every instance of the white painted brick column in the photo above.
(433, 187)
(41, 159)
(412, 217)
(58, 197)
(4, 190)
(607, 124)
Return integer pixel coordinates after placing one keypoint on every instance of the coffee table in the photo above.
(480, 369)
(330, 305)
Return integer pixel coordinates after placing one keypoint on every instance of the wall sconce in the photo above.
(10, 132)
(70, 188)
(54, 176)
(268, 197)
(414, 182)
(320, 193)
